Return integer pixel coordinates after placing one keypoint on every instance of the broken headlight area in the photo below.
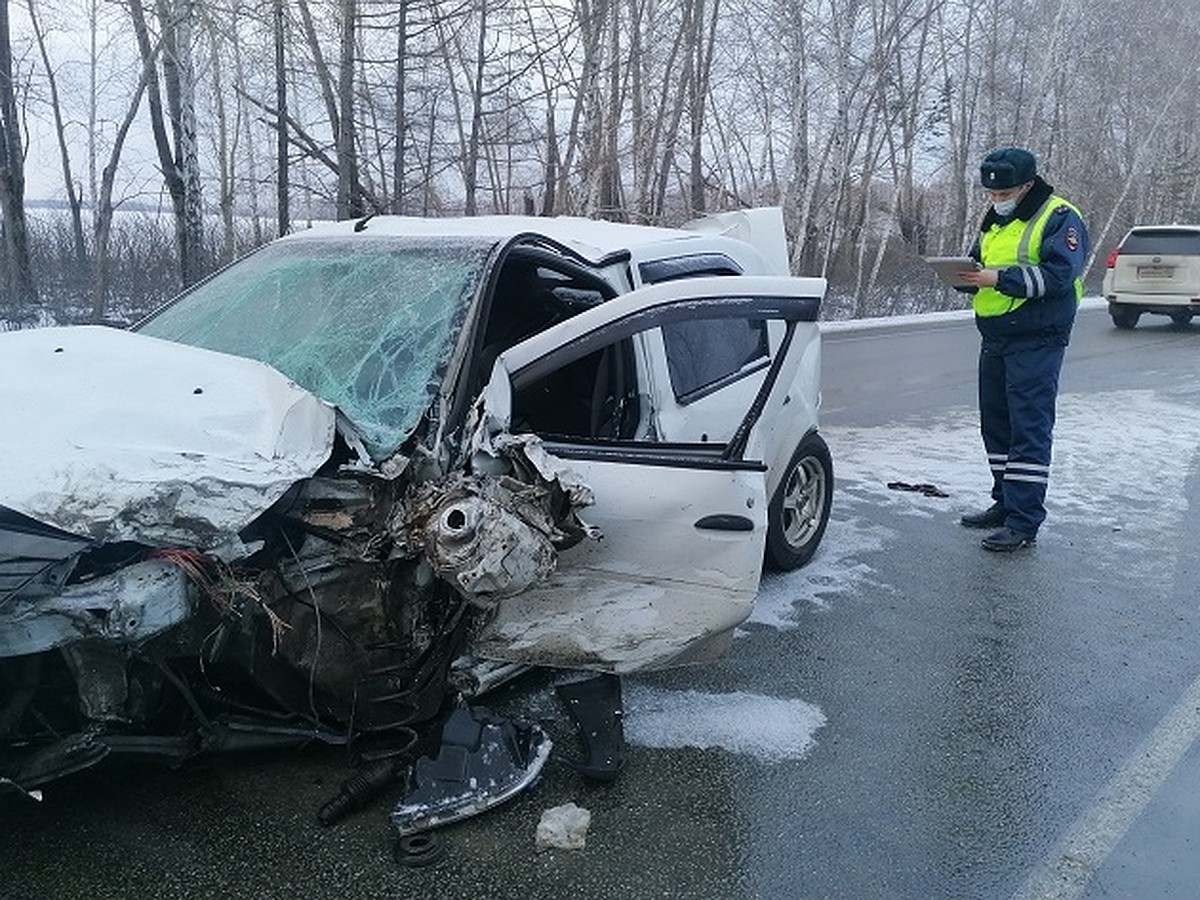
(257, 661)
(335, 616)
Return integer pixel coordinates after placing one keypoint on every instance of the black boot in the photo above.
(992, 517)
(1006, 540)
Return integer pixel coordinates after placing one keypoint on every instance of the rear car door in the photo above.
(683, 521)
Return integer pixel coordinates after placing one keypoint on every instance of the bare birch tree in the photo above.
(178, 152)
(19, 289)
(74, 200)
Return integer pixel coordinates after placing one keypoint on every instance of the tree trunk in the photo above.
(20, 291)
(401, 101)
(474, 135)
(349, 197)
(705, 33)
(73, 192)
(609, 199)
(243, 129)
(226, 140)
(178, 183)
(102, 213)
(282, 176)
(550, 197)
(192, 262)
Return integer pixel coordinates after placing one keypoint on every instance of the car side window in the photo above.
(703, 355)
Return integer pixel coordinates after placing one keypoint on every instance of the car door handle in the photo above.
(725, 522)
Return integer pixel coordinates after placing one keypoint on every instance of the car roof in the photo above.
(592, 238)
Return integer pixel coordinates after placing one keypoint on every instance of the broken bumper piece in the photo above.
(598, 711)
(483, 760)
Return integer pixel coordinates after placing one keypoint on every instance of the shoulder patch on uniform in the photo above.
(1072, 238)
(1061, 208)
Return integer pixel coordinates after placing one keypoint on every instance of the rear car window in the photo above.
(1163, 243)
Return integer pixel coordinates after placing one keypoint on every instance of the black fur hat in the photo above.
(1007, 167)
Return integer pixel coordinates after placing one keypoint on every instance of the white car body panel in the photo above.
(658, 587)
(708, 418)
(789, 413)
(127, 437)
(658, 295)
(592, 239)
(654, 587)
(761, 228)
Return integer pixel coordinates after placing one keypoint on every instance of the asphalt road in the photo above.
(993, 726)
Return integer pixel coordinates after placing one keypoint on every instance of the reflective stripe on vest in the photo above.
(1016, 244)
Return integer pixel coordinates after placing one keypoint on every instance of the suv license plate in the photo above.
(1155, 271)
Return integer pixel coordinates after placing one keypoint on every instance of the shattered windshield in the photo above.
(364, 323)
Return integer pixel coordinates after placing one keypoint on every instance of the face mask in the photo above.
(1005, 207)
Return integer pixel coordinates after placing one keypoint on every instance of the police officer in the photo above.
(1032, 246)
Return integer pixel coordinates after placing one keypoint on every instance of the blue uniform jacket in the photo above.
(1049, 313)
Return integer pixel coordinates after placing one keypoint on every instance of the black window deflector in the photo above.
(703, 457)
(696, 265)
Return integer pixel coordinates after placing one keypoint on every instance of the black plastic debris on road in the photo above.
(484, 759)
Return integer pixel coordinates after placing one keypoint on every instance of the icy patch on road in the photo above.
(1105, 448)
(1121, 459)
(771, 729)
(948, 454)
(835, 570)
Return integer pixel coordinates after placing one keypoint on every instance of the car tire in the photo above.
(799, 511)
(1181, 318)
(1126, 318)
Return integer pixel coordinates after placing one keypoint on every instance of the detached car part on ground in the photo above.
(281, 508)
(1155, 269)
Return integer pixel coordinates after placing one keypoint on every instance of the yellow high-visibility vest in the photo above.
(1016, 243)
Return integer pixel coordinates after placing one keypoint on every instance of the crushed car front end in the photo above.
(242, 524)
(280, 509)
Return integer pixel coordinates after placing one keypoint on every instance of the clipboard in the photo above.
(948, 267)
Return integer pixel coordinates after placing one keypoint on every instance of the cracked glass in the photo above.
(365, 323)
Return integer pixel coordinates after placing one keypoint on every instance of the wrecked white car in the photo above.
(284, 505)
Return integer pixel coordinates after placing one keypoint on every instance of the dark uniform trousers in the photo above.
(1017, 390)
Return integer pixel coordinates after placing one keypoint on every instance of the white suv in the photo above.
(1155, 269)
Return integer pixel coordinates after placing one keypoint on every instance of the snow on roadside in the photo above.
(1120, 459)
(771, 729)
(835, 570)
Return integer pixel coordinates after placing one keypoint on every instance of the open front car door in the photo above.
(679, 526)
